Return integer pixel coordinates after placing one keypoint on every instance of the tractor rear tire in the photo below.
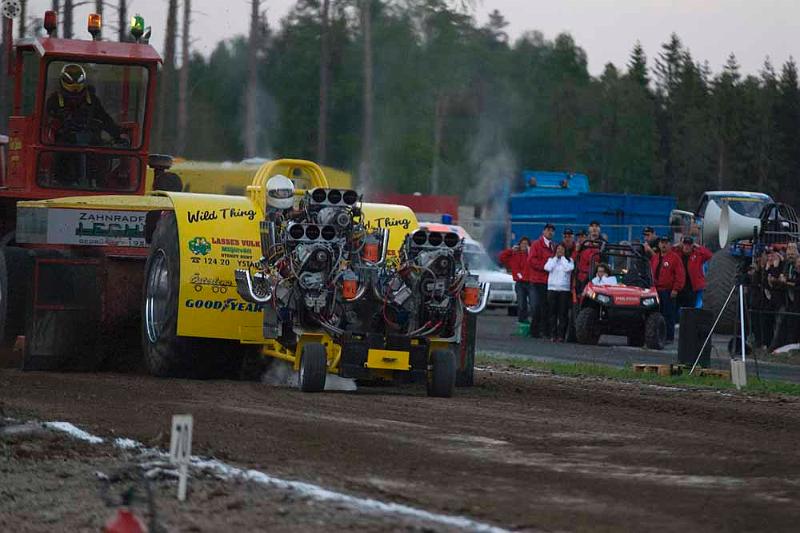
(442, 375)
(465, 376)
(721, 277)
(14, 282)
(313, 368)
(167, 354)
(655, 331)
(586, 329)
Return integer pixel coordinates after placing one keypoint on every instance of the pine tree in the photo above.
(637, 66)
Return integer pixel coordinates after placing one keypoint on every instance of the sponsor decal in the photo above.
(199, 246)
(90, 227)
(224, 213)
(223, 306)
(386, 222)
(219, 286)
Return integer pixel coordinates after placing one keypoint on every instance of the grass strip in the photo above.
(627, 374)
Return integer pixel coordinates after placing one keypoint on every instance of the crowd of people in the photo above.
(774, 297)
(549, 275)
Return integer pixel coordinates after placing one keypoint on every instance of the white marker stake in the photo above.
(180, 449)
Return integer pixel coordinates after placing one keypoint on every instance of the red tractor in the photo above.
(70, 279)
(623, 302)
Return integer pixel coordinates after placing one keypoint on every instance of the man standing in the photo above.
(649, 241)
(541, 250)
(669, 277)
(694, 257)
(586, 252)
(568, 240)
(515, 259)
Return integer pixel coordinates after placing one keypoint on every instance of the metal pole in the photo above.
(741, 317)
(713, 327)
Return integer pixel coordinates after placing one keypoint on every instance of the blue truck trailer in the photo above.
(564, 199)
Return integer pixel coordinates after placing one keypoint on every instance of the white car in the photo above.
(501, 292)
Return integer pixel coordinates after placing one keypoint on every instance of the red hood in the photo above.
(622, 294)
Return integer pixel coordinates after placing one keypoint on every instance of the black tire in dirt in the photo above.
(655, 331)
(313, 368)
(15, 266)
(166, 354)
(465, 376)
(442, 375)
(636, 338)
(722, 271)
(586, 327)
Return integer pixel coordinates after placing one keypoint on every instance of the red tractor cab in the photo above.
(624, 302)
(80, 121)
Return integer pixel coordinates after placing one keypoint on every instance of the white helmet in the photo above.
(280, 192)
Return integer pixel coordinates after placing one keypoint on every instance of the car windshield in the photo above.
(629, 270)
(477, 259)
(94, 104)
(749, 207)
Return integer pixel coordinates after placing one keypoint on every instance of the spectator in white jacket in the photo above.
(559, 292)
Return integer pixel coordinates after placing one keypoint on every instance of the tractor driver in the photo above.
(74, 112)
(280, 198)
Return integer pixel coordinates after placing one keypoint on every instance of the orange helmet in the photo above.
(73, 78)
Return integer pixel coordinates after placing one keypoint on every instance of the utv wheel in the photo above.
(167, 354)
(655, 331)
(465, 376)
(442, 374)
(586, 327)
(636, 338)
(313, 368)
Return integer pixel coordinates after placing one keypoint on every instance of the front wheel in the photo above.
(655, 331)
(442, 374)
(587, 330)
(313, 368)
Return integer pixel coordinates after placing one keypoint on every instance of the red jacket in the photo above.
(671, 276)
(537, 257)
(516, 262)
(584, 262)
(697, 258)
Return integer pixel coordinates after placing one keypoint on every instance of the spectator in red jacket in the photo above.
(669, 278)
(694, 258)
(541, 250)
(515, 259)
(586, 253)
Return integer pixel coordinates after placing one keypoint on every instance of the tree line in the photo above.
(415, 95)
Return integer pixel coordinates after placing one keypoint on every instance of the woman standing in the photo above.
(559, 294)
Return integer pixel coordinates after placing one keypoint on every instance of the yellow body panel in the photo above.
(216, 234)
(388, 359)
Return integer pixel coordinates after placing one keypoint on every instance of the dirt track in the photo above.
(519, 451)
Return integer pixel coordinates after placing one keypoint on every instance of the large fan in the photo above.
(11, 8)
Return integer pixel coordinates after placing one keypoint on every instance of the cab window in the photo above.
(30, 82)
(94, 105)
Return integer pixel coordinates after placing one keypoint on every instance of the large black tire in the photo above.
(721, 277)
(655, 331)
(636, 338)
(165, 353)
(442, 376)
(586, 328)
(15, 266)
(313, 368)
(465, 377)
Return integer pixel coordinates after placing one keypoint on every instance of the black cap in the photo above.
(549, 225)
(569, 231)
(688, 240)
(664, 238)
(594, 223)
(581, 233)
(649, 229)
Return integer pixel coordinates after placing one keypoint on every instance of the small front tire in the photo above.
(442, 374)
(586, 328)
(313, 368)
(655, 331)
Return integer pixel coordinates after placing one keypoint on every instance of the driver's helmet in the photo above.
(73, 78)
(280, 192)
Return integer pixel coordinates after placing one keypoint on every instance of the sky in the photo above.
(605, 29)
